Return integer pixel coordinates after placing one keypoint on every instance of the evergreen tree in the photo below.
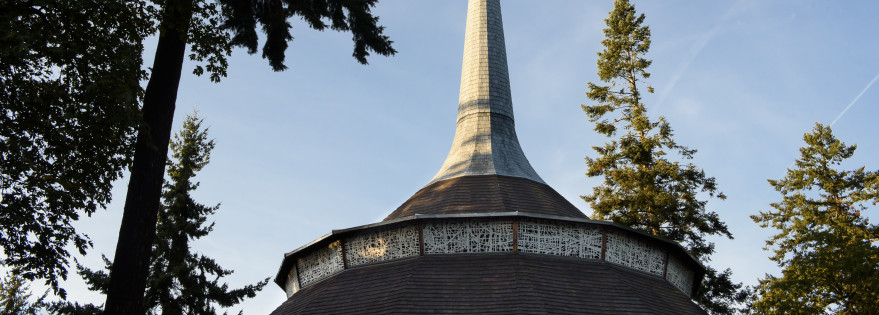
(210, 29)
(642, 187)
(181, 281)
(70, 120)
(15, 296)
(827, 250)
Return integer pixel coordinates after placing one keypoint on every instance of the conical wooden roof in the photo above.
(486, 194)
(490, 284)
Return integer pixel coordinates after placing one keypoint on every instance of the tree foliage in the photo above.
(69, 95)
(354, 16)
(181, 281)
(15, 296)
(826, 248)
(642, 187)
(210, 29)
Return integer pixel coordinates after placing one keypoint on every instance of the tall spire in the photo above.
(485, 137)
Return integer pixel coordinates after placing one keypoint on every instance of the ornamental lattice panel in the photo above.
(623, 249)
(561, 239)
(468, 236)
(382, 245)
(320, 264)
(679, 276)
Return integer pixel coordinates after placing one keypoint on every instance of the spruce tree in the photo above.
(208, 29)
(825, 246)
(15, 296)
(643, 188)
(181, 281)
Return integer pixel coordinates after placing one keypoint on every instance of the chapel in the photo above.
(487, 234)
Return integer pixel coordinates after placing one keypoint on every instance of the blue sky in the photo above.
(331, 144)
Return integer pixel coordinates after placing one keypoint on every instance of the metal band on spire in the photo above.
(485, 137)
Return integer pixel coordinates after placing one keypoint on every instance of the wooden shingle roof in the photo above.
(495, 283)
(485, 194)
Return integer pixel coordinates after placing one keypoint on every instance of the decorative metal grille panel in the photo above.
(679, 275)
(485, 235)
(292, 282)
(469, 236)
(382, 245)
(321, 263)
(629, 251)
(561, 239)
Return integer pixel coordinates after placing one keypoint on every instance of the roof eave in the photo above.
(280, 278)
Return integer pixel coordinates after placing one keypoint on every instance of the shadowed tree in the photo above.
(211, 29)
(642, 187)
(826, 248)
(180, 281)
(70, 76)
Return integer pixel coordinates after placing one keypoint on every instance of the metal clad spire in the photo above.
(485, 136)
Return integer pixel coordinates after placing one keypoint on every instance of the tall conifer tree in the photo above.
(642, 187)
(15, 296)
(181, 281)
(210, 29)
(827, 250)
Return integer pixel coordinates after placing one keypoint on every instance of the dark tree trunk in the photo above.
(131, 263)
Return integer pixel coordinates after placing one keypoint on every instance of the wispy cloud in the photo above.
(876, 78)
(695, 50)
(685, 64)
(856, 99)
